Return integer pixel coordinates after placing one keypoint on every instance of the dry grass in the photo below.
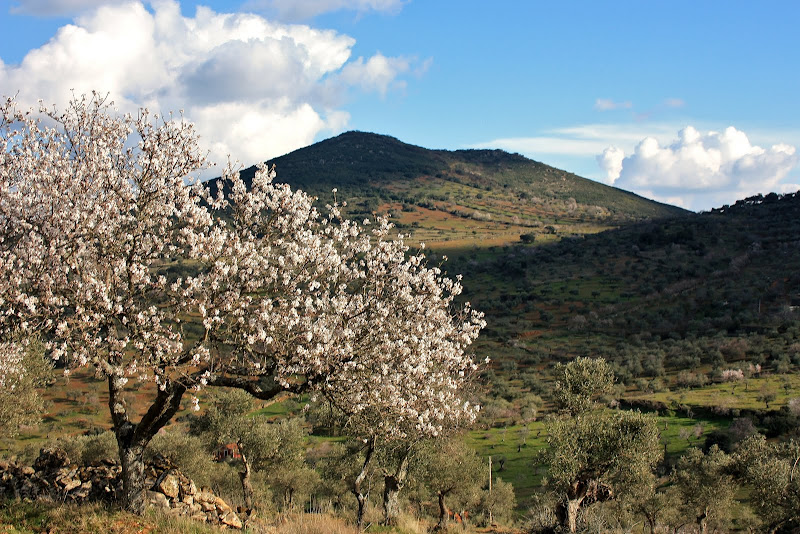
(54, 518)
(309, 524)
(19, 517)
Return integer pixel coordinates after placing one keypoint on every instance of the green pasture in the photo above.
(740, 395)
(522, 466)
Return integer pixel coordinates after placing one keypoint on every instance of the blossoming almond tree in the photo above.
(394, 410)
(94, 210)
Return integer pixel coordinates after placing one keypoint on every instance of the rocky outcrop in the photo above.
(53, 477)
(176, 494)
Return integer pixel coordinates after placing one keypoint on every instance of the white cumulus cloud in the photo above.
(700, 170)
(611, 162)
(255, 88)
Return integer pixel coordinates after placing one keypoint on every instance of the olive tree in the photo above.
(451, 469)
(594, 454)
(770, 470)
(706, 486)
(657, 503)
(497, 502)
(277, 448)
(579, 383)
(394, 454)
(594, 457)
(225, 421)
(22, 372)
(95, 210)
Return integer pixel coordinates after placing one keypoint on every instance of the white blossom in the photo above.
(95, 213)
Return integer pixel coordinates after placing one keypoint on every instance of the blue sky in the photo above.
(692, 103)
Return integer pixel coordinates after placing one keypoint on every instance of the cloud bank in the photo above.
(255, 88)
(699, 170)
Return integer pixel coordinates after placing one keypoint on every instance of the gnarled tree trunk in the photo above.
(702, 522)
(132, 439)
(133, 487)
(579, 493)
(443, 512)
(244, 476)
(358, 485)
(571, 507)
(651, 523)
(392, 484)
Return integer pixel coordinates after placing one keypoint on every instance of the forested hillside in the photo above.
(669, 294)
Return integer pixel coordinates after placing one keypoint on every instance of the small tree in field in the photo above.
(497, 505)
(94, 210)
(771, 471)
(580, 382)
(767, 395)
(22, 371)
(657, 504)
(595, 457)
(595, 454)
(453, 471)
(706, 486)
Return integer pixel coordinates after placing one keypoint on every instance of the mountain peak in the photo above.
(461, 197)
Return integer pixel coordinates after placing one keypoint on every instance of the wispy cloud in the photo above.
(537, 146)
(287, 10)
(295, 10)
(581, 140)
(606, 104)
(57, 8)
(379, 73)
